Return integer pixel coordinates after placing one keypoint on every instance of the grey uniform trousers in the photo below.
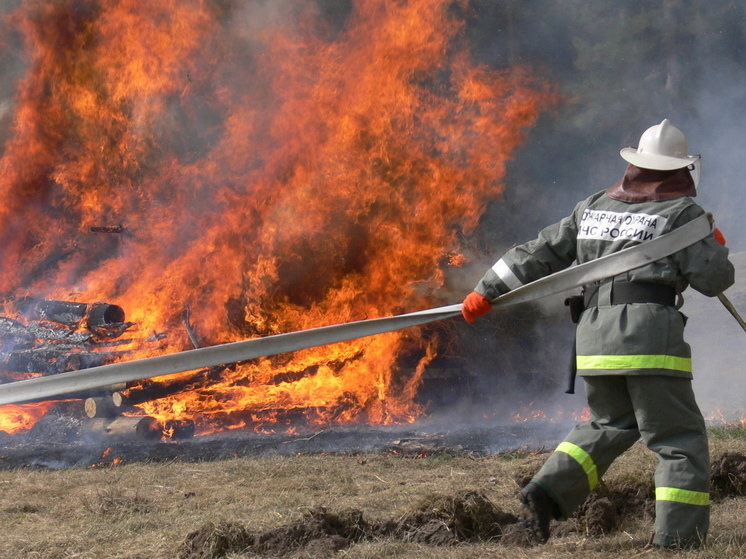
(663, 411)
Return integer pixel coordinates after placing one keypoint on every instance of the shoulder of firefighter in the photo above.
(600, 225)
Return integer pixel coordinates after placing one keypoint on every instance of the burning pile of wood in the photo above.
(53, 337)
(48, 337)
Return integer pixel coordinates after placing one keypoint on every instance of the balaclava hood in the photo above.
(647, 185)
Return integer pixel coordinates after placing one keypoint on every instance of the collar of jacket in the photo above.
(647, 185)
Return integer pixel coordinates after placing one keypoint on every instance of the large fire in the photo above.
(271, 166)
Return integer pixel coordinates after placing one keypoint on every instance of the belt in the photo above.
(623, 292)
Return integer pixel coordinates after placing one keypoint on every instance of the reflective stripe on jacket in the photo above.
(636, 338)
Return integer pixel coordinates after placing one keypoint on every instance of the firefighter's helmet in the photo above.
(662, 147)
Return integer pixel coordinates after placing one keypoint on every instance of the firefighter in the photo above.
(630, 348)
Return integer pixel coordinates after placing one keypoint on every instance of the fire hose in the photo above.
(40, 388)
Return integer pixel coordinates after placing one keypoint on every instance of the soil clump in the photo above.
(436, 520)
(729, 475)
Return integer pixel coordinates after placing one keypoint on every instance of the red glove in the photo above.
(475, 305)
(719, 236)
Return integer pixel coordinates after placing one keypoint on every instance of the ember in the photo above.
(268, 177)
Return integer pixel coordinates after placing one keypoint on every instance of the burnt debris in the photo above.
(49, 337)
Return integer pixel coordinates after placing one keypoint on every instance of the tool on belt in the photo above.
(83, 380)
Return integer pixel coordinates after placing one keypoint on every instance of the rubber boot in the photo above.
(537, 511)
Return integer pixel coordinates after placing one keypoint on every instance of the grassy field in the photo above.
(146, 511)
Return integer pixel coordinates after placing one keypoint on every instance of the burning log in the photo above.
(72, 314)
(179, 429)
(147, 391)
(59, 334)
(54, 343)
(104, 406)
(102, 314)
(17, 335)
(14, 334)
(51, 361)
(142, 427)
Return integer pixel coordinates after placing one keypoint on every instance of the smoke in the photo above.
(717, 349)
(715, 337)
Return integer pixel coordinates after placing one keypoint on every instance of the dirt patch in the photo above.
(319, 533)
(599, 514)
(444, 520)
(729, 475)
(605, 508)
(436, 520)
(513, 534)
(212, 541)
(630, 498)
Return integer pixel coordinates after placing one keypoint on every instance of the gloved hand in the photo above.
(475, 305)
(719, 236)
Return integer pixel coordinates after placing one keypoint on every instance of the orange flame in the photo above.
(16, 419)
(273, 170)
(727, 418)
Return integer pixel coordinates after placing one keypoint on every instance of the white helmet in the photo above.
(662, 147)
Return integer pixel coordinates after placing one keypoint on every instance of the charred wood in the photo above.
(179, 429)
(113, 330)
(57, 311)
(51, 361)
(45, 333)
(47, 347)
(186, 321)
(70, 313)
(149, 390)
(14, 334)
(293, 376)
(101, 314)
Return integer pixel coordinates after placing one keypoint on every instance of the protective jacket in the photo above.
(640, 338)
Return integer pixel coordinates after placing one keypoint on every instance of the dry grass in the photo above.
(145, 511)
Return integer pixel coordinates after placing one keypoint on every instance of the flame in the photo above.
(107, 460)
(16, 419)
(727, 418)
(270, 167)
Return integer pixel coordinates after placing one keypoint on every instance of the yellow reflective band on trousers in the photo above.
(634, 362)
(682, 496)
(584, 459)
